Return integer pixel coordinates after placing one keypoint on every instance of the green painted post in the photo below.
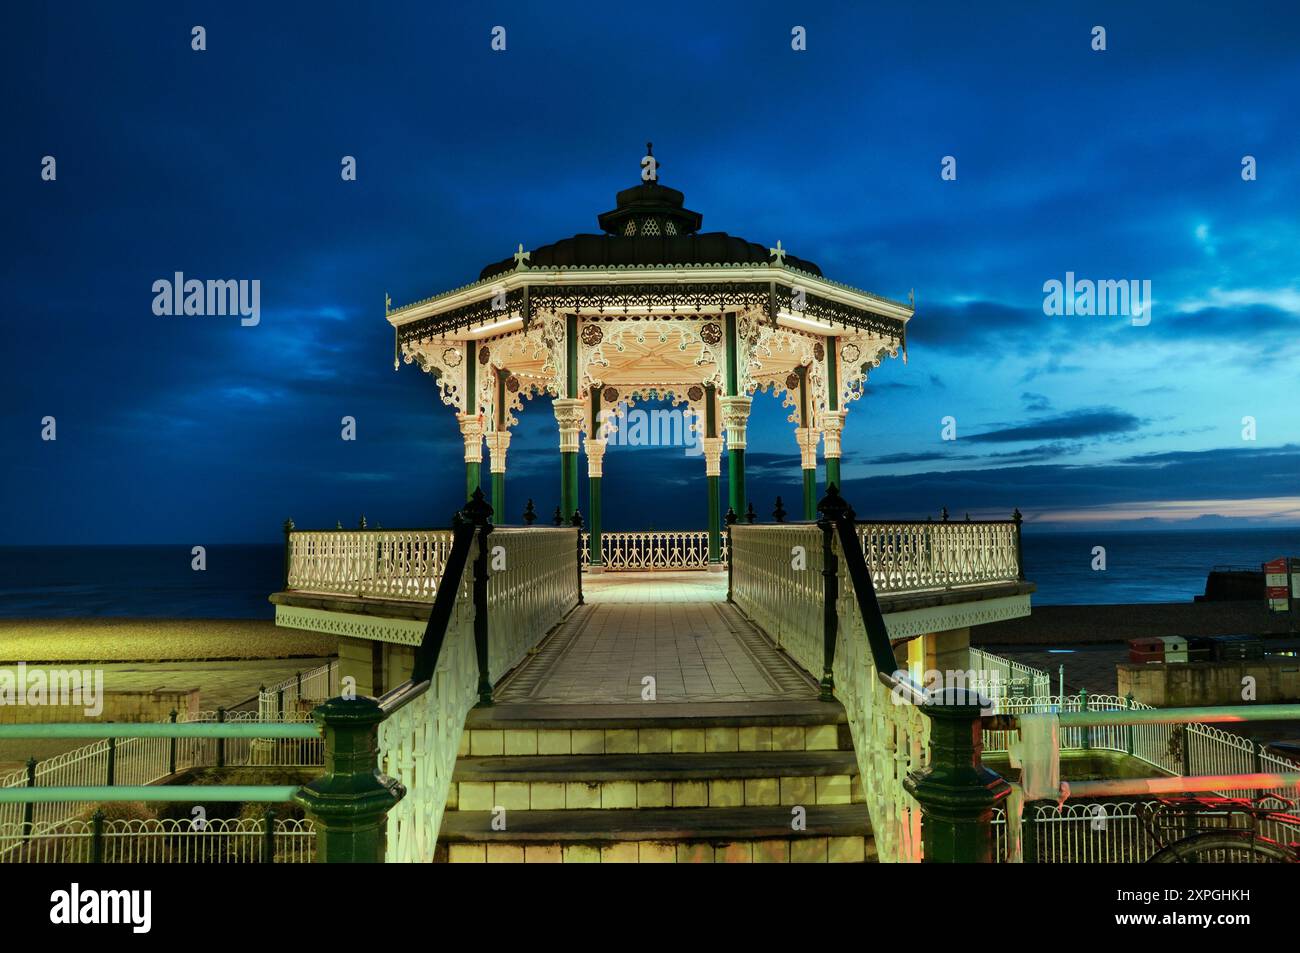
(736, 479)
(956, 792)
(1086, 742)
(29, 808)
(473, 470)
(576, 522)
(350, 802)
(1128, 734)
(268, 835)
(833, 509)
(498, 492)
(221, 742)
(1029, 833)
(171, 748)
(595, 552)
(1020, 560)
(97, 836)
(731, 551)
(715, 511)
(809, 494)
(288, 550)
(480, 514)
(111, 773)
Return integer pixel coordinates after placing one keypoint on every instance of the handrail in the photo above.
(864, 591)
(225, 729)
(444, 601)
(1222, 714)
(271, 793)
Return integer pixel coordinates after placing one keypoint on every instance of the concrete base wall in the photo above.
(1182, 684)
(364, 659)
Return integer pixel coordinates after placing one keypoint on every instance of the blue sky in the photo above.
(1122, 164)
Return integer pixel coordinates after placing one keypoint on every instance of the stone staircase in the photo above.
(656, 783)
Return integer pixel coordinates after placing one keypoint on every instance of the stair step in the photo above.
(511, 730)
(657, 715)
(657, 767)
(701, 823)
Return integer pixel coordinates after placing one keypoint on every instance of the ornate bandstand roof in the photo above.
(651, 305)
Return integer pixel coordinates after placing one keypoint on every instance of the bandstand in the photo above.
(650, 308)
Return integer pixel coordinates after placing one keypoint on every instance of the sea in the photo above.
(158, 581)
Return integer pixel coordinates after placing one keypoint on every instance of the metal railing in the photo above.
(265, 839)
(383, 564)
(482, 624)
(912, 556)
(139, 761)
(651, 550)
(1011, 675)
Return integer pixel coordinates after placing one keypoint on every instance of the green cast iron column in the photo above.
(956, 792)
(351, 800)
(593, 487)
(499, 478)
(715, 515)
(473, 470)
(809, 474)
(833, 402)
(735, 455)
(569, 459)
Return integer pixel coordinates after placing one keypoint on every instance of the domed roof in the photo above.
(650, 225)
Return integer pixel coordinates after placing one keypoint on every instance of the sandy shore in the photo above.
(155, 640)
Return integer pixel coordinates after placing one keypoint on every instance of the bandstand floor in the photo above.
(675, 627)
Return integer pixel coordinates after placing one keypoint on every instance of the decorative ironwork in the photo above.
(792, 381)
(451, 357)
(695, 392)
(652, 550)
(592, 335)
(610, 394)
(819, 351)
(711, 333)
(512, 384)
(484, 353)
(850, 353)
(763, 298)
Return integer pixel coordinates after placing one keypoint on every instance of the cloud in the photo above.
(1076, 424)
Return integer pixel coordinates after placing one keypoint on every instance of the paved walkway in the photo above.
(676, 628)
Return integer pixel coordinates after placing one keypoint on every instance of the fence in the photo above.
(161, 840)
(1183, 750)
(651, 550)
(386, 564)
(1011, 675)
(482, 624)
(1108, 832)
(143, 761)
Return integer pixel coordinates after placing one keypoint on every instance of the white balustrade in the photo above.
(533, 582)
(652, 549)
(382, 564)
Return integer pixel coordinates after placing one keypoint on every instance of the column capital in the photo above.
(735, 418)
(833, 426)
(595, 448)
(471, 429)
(568, 414)
(498, 442)
(807, 438)
(712, 447)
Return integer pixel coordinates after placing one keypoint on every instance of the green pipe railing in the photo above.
(243, 729)
(1126, 787)
(264, 793)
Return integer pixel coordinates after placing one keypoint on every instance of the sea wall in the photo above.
(1185, 684)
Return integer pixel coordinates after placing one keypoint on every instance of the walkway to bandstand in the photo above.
(676, 627)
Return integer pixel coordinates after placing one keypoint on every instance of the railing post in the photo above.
(558, 518)
(350, 802)
(288, 529)
(221, 742)
(171, 752)
(730, 520)
(1128, 729)
(268, 836)
(97, 836)
(577, 524)
(479, 512)
(1020, 557)
(29, 808)
(112, 762)
(750, 516)
(1029, 833)
(1187, 748)
(779, 513)
(1086, 742)
(530, 514)
(956, 792)
(832, 508)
